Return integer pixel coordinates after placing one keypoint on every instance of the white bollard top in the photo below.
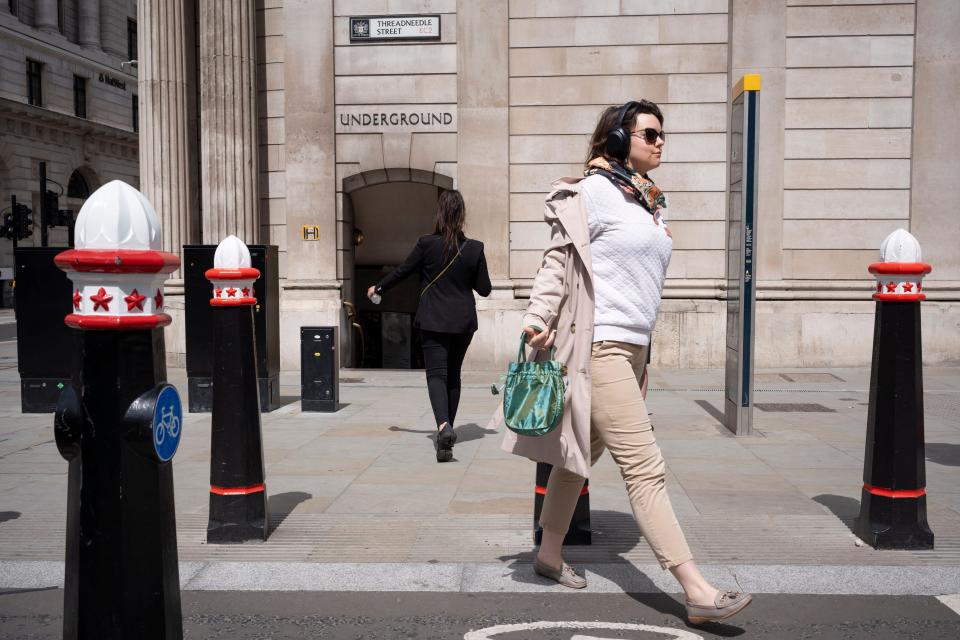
(231, 253)
(117, 267)
(232, 276)
(900, 246)
(117, 216)
(899, 274)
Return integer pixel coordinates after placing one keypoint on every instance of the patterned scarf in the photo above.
(635, 185)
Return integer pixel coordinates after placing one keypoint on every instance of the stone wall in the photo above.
(102, 147)
(62, 59)
(526, 81)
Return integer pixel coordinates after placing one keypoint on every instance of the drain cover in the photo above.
(793, 407)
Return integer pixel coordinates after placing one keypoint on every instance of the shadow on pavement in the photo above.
(717, 414)
(944, 453)
(8, 515)
(465, 432)
(280, 505)
(620, 571)
(846, 509)
(472, 431)
(283, 401)
(429, 432)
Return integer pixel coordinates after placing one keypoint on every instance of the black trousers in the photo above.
(443, 355)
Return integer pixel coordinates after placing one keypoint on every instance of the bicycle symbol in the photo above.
(169, 425)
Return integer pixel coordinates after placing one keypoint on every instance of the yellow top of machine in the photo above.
(749, 82)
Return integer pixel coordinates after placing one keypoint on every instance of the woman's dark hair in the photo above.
(450, 216)
(608, 121)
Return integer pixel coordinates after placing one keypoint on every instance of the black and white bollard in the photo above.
(893, 503)
(238, 494)
(118, 423)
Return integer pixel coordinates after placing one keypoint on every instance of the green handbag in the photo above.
(533, 394)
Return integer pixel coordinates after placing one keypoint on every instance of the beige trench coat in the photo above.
(562, 299)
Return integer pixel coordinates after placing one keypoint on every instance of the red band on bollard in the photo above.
(543, 490)
(894, 493)
(237, 491)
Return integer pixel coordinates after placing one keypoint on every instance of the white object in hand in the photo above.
(375, 298)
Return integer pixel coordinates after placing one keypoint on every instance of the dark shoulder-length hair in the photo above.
(451, 213)
(608, 121)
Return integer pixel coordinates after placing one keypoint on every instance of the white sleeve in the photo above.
(594, 218)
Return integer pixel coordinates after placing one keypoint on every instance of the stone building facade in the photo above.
(355, 139)
(66, 98)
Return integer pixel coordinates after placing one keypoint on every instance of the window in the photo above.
(78, 187)
(61, 20)
(80, 96)
(13, 6)
(131, 39)
(35, 82)
(136, 113)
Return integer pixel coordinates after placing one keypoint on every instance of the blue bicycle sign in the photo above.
(167, 419)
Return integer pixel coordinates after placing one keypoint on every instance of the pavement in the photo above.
(360, 509)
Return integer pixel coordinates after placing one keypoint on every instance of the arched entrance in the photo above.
(384, 211)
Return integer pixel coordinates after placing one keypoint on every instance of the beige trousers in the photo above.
(619, 423)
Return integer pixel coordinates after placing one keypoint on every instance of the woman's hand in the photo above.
(371, 290)
(538, 338)
(669, 233)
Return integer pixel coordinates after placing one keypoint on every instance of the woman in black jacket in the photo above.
(451, 267)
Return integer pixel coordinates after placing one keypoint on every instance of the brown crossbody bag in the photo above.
(444, 270)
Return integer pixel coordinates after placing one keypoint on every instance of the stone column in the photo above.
(311, 294)
(483, 168)
(165, 141)
(757, 42)
(483, 161)
(228, 112)
(89, 24)
(935, 190)
(47, 16)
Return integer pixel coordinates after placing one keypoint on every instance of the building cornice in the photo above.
(58, 45)
(69, 124)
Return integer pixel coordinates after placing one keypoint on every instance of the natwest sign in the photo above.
(390, 28)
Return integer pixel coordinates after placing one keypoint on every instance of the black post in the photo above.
(579, 532)
(238, 496)
(15, 211)
(893, 503)
(122, 577)
(44, 214)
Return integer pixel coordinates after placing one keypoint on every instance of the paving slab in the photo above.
(361, 485)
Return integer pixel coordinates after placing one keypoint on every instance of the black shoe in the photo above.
(446, 438)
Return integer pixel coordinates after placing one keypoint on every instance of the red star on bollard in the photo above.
(134, 300)
(891, 287)
(246, 292)
(158, 299)
(77, 298)
(879, 287)
(231, 292)
(907, 287)
(219, 291)
(101, 300)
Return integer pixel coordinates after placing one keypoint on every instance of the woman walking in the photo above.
(596, 295)
(451, 267)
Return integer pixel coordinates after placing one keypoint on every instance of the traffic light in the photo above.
(22, 215)
(61, 218)
(51, 202)
(7, 227)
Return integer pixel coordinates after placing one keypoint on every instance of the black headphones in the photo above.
(618, 138)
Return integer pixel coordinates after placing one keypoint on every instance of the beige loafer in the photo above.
(725, 605)
(565, 575)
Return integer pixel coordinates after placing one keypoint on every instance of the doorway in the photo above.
(387, 219)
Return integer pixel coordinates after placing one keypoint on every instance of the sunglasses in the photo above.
(650, 135)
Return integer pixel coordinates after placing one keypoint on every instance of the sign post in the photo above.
(741, 242)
